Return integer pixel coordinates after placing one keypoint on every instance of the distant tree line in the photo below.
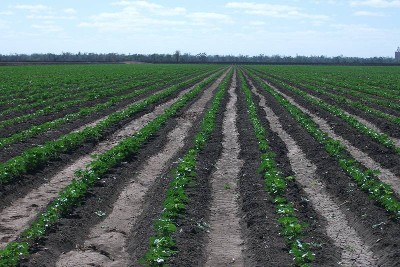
(178, 57)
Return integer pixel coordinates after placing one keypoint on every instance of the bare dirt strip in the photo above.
(385, 175)
(372, 223)
(106, 243)
(225, 242)
(31, 181)
(16, 217)
(354, 251)
(261, 230)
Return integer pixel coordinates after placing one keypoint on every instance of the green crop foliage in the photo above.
(381, 138)
(362, 83)
(343, 100)
(47, 87)
(38, 129)
(71, 195)
(162, 245)
(37, 156)
(379, 191)
(276, 186)
(103, 91)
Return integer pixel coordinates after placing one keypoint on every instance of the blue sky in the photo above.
(350, 28)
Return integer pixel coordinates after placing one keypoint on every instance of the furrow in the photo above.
(35, 135)
(384, 175)
(110, 236)
(225, 243)
(369, 124)
(16, 217)
(354, 252)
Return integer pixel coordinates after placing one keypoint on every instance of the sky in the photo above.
(296, 27)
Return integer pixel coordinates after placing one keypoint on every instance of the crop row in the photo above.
(276, 185)
(382, 81)
(46, 97)
(311, 78)
(34, 83)
(38, 129)
(73, 193)
(37, 156)
(353, 103)
(97, 90)
(162, 244)
(381, 138)
(379, 191)
(389, 103)
(101, 92)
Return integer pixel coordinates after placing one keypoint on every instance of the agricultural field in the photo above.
(199, 165)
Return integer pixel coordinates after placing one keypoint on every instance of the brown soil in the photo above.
(372, 121)
(110, 236)
(371, 222)
(354, 252)
(17, 148)
(229, 218)
(385, 175)
(225, 242)
(265, 246)
(24, 210)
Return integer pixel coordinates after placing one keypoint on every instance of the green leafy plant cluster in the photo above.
(340, 81)
(103, 91)
(382, 82)
(356, 104)
(276, 186)
(381, 138)
(310, 84)
(47, 98)
(37, 156)
(38, 129)
(27, 88)
(162, 243)
(379, 191)
(71, 195)
(365, 98)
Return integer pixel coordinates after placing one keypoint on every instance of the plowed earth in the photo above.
(229, 219)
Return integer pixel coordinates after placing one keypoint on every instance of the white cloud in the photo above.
(152, 8)
(136, 16)
(368, 14)
(50, 17)
(207, 18)
(360, 29)
(47, 27)
(274, 10)
(33, 8)
(257, 23)
(129, 19)
(70, 11)
(6, 13)
(4, 24)
(376, 3)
